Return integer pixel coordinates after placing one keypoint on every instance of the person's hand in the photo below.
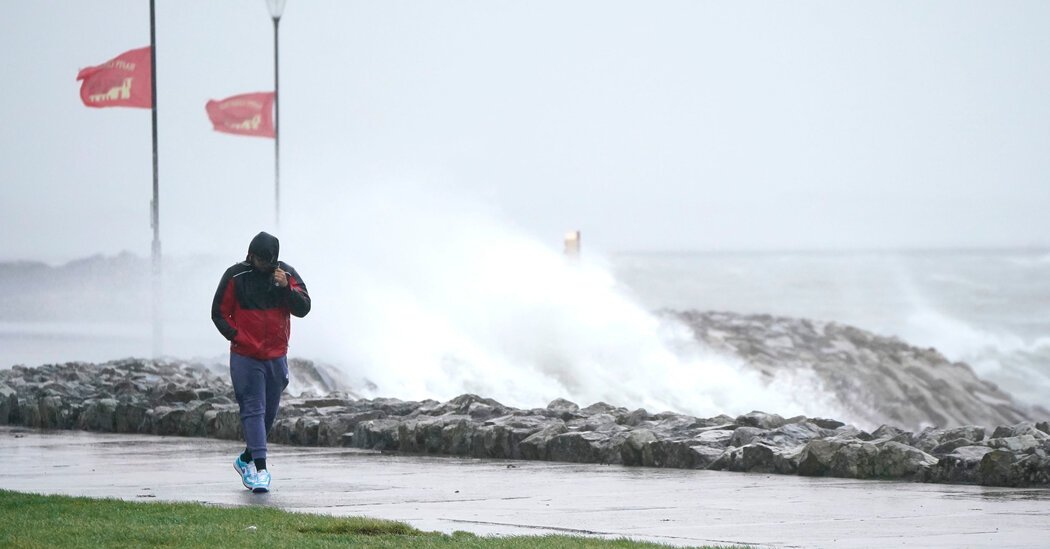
(280, 278)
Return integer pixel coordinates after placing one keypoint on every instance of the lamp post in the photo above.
(276, 8)
(158, 300)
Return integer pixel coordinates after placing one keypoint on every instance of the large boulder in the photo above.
(758, 458)
(1006, 468)
(332, 430)
(8, 404)
(632, 451)
(746, 435)
(99, 415)
(1016, 444)
(900, 461)
(960, 466)
(680, 454)
(761, 420)
(586, 447)
(931, 438)
(1020, 429)
(563, 409)
(537, 445)
(860, 459)
(791, 435)
(377, 434)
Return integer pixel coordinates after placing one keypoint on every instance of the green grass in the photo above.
(30, 520)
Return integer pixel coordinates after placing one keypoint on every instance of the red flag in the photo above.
(246, 114)
(124, 81)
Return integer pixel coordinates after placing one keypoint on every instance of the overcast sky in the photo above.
(648, 125)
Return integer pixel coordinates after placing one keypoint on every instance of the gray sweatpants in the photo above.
(258, 385)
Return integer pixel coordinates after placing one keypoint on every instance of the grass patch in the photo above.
(361, 526)
(30, 520)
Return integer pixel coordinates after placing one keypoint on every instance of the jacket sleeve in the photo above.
(298, 296)
(222, 306)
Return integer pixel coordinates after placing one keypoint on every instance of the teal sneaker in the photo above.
(260, 481)
(245, 471)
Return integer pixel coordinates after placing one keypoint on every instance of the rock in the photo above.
(852, 433)
(458, 437)
(165, 420)
(377, 434)
(889, 432)
(950, 446)
(305, 432)
(680, 454)
(632, 452)
(50, 413)
(190, 400)
(394, 406)
(1014, 444)
(930, 438)
(996, 469)
(99, 415)
(961, 465)
(178, 394)
(536, 445)
(481, 411)
(584, 447)
(900, 461)
(462, 405)
(602, 408)
(8, 404)
(634, 418)
(791, 435)
(601, 422)
(324, 402)
(424, 434)
(758, 458)
(760, 420)
(745, 435)
(501, 438)
(1023, 428)
(331, 431)
(826, 423)
(563, 409)
(223, 422)
(820, 457)
(130, 418)
(716, 438)
(855, 459)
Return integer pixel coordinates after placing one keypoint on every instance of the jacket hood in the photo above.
(265, 245)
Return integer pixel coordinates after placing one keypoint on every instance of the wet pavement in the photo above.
(677, 507)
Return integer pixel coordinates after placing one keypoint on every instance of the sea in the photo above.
(527, 326)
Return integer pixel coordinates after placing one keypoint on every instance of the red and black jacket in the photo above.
(253, 314)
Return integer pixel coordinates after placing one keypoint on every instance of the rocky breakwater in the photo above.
(873, 379)
(193, 400)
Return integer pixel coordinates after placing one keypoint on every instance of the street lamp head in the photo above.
(276, 8)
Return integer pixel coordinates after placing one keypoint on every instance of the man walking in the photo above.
(251, 309)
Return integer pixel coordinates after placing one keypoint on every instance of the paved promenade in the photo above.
(676, 507)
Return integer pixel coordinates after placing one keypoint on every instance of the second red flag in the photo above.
(245, 114)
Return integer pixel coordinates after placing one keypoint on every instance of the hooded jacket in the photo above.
(253, 313)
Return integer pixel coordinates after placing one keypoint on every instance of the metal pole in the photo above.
(155, 213)
(276, 133)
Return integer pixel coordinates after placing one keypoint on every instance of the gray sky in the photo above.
(649, 125)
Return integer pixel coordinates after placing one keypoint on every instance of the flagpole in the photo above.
(276, 131)
(155, 204)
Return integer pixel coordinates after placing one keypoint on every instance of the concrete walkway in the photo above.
(678, 507)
